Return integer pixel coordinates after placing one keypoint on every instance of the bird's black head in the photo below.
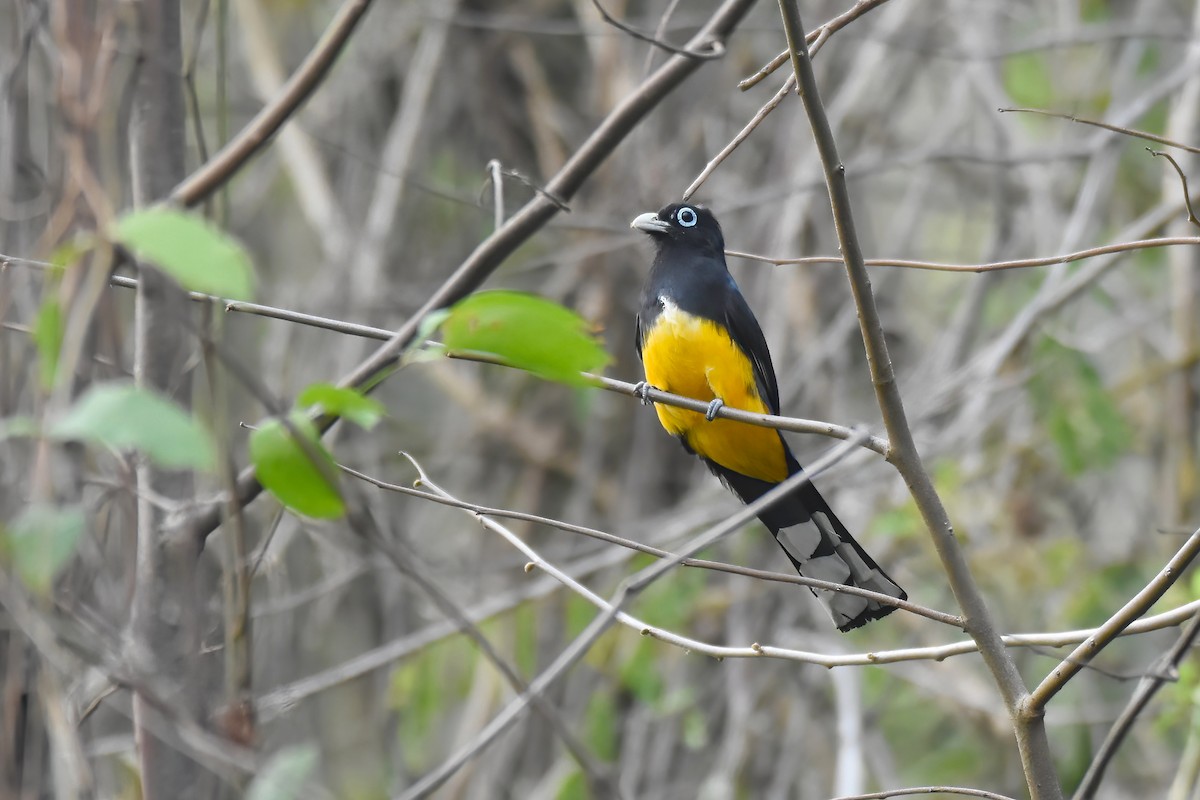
(680, 223)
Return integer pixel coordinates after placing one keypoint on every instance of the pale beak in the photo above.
(650, 223)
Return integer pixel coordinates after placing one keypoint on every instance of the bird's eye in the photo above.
(686, 217)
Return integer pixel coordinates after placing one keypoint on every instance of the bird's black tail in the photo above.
(820, 547)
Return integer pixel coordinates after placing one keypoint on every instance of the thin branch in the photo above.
(825, 31)
(409, 564)
(716, 48)
(1187, 197)
(604, 536)
(1137, 703)
(994, 266)
(742, 135)
(303, 82)
(915, 790)
(1136, 607)
(1030, 729)
(1150, 137)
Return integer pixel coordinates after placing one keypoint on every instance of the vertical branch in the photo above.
(164, 625)
(1182, 479)
(1029, 724)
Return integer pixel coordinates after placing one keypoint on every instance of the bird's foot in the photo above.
(641, 390)
(713, 408)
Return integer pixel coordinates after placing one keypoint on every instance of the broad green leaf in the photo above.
(48, 336)
(339, 402)
(286, 470)
(202, 257)
(285, 775)
(527, 332)
(39, 543)
(121, 415)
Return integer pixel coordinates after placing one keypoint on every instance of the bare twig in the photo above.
(716, 48)
(1150, 137)
(727, 150)
(1136, 607)
(1187, 197)
(1169, 664)
(916, 790)
(824, 32)
(994, 266)
(1029, 727)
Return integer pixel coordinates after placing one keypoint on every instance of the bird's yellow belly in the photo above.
(696, 358)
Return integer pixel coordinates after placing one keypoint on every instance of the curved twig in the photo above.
(303, 82)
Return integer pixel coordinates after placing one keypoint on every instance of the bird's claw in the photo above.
(713, 408)
(641, 390)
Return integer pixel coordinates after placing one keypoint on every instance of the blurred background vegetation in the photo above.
(1055, 405)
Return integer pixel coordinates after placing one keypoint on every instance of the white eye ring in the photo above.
(686, 217)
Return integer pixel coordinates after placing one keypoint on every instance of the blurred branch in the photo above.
(1023, 263)
(716, 48)
(445, 499)
(816, 40)
(315, 195)
(1030, 729)
(1168, 669)
(302, 83)
(1136, 607)
(409, 564)
(396, 155)
(741, 136)
(1150, 137)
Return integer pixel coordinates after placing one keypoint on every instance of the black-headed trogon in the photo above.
(697, 337)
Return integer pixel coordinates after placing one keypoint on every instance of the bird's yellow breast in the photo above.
(695, 357)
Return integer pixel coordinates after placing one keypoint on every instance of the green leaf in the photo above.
(526, 332)
(339, 402)
(286, 470)
(120, 415)
(202, 257)
(40, 542)
(286, 775)
(48, 337)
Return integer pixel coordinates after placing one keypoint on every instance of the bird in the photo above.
(697, 337)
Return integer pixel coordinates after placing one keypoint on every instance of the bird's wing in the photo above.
(747, 335)
(637, 337)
